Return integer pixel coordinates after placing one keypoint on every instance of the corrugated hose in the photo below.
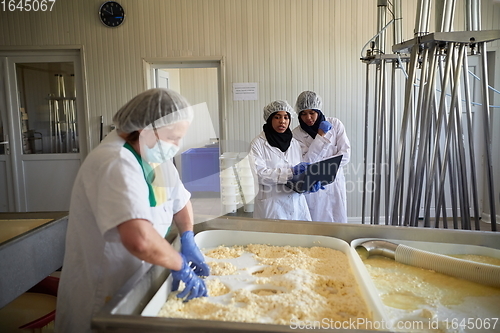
(464, 269)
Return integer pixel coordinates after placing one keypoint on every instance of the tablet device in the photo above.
(324, 171)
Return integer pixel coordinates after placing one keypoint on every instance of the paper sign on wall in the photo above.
(248, 91)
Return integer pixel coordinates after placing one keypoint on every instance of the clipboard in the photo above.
(323, 171)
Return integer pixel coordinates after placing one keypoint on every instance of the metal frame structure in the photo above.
(431, 123)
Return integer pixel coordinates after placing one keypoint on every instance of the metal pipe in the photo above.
(424, 137)
(436, 174)
(365, 146)
(381, 22)
(414, 141)
(437, 198)
(404, 128)
(389, 147)
(472, 158)
(453, 190)
(487, 135)
(398, 21)
(422, 18)
(380, 110)
(452, 116)
(374, 139)
(460, 151)
(380, 248)
(472, 15)
(439, 124)
(445, 10)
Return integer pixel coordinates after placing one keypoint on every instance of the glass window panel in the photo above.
(47, 106)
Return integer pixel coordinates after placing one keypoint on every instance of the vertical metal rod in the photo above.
(455, 153)
(461, 163)
(66, 113)
(414, 140)
(378, 142)
(422, 18)
(439, 125)
(402, 137)
(381, 22)
(374, 140)
(76, 146)
(424, 138)
(458, 179)
(57, 116)
(487, 135)
(445, 10)
(51, 131)
(468, 15)
(452, 118)
(398, 21)
(436, 178)
(472, 15)
(438, 169)
(365, 146)
(389, 147)
(470, 137)
(376, 108)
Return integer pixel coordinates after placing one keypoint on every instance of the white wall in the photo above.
(286, 46)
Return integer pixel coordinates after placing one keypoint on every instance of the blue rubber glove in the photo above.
(193, 254)
(299, 168)
(325, 126)
(316, 187)
(194, 286)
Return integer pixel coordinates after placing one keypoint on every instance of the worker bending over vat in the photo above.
(124, 198)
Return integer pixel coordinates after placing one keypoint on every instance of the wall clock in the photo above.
(111, 14)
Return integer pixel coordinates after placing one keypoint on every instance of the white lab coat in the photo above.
(109, 189)
(272, 169)
(327, 205)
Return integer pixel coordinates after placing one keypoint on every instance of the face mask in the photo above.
(154, 155)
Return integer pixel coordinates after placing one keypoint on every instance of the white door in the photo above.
(162, 78)
(42, 117)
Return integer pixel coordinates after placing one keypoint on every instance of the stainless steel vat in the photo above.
(28, 258)
(122, 312)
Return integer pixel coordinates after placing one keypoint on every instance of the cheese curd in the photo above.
(275, 285)
(424, 301)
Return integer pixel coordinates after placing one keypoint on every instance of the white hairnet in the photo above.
(161, 106)
(276, 106)
(308, 100)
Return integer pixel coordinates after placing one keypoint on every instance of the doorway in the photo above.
(41, 129)
(200, 81)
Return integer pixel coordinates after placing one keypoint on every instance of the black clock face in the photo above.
(111, 14)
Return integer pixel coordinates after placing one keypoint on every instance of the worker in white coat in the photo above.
(276, 157)
(320, 138)
(125, 196)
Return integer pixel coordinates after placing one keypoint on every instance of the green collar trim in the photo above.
(148, 173)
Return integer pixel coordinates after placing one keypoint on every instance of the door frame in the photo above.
(9, 56)
(5, 158)
(149, 64)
